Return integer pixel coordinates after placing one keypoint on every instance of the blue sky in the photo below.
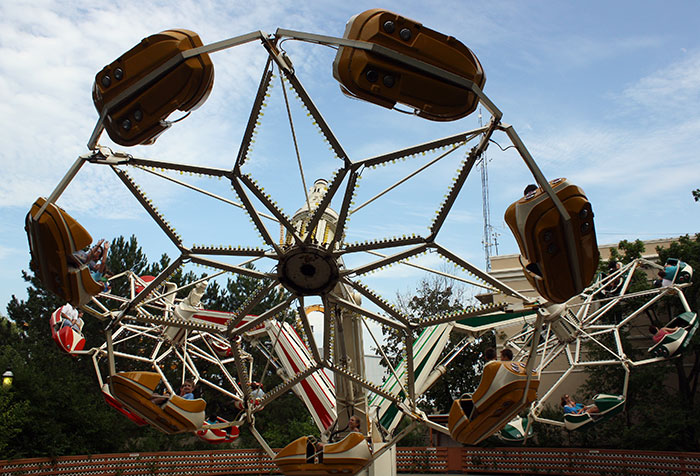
(604, 93)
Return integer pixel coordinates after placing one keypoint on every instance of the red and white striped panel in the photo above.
(317, 390)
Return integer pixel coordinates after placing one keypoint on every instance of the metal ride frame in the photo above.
(580, 322)
(338, 285)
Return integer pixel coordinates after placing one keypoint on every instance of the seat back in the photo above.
(487, 377)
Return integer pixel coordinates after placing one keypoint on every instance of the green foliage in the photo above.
(13, 411)
(627, 251)
(281, 422)
(418, 436)
(696, 194)
(547, 435)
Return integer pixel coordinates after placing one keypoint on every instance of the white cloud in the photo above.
(673, 90)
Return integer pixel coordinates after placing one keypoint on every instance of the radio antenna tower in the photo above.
(490, 238)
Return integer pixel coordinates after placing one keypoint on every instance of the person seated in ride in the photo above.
(354, 424)
(529, 189)
(659, 334)
(353, 427)
(667, 274)
(489, 355)
(96, 260)
(573, 408)
(506, 355)
(186, 391)
(256, 391)
(613, 266)
(72, 317)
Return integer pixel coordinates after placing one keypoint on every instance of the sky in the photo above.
(606, 94)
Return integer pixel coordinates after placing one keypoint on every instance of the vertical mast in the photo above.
(490, 238)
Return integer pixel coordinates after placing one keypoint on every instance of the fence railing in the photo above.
(432, 460)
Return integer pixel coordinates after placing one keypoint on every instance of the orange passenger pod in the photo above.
(301, 457)
(539, 230)
(385, 81)
(503, 391)
(134, 390)
(142, 87)
(53, 239)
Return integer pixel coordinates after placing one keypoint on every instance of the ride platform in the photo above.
(674, 343)
(67, 338)
(114, 403)
(375, 77)
(553, 264)
(215, 433)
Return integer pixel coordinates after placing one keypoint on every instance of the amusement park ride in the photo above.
(157, 335)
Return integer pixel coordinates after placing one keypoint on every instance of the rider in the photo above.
(95, 259)
(571, 407)
(659, 334)
(71, 317)
(506, 355)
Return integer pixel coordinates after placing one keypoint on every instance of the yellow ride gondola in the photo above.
(137, 116)
(498, 397)
(539, 230)
(378, 79)
(176, 415)
(301, 458)
(53, 238)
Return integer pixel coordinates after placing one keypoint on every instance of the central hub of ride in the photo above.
(309, 267)
(308, 270)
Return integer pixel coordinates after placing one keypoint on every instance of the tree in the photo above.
(687, 250)
(13, 409)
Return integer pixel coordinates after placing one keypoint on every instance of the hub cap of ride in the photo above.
(308, 270)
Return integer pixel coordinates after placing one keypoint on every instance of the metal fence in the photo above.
(435, 460)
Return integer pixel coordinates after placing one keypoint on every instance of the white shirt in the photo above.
(69, 311)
